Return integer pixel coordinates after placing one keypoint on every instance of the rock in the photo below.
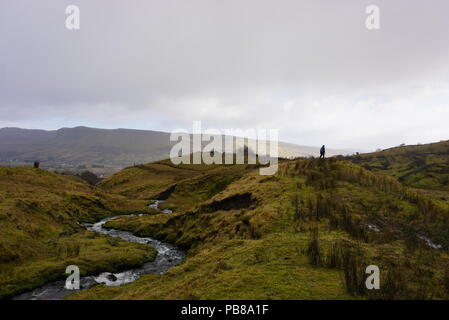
(111, 277)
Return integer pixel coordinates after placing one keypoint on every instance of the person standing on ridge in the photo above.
(322, 151)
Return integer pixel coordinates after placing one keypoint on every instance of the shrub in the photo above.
(313, 249)
(353, 270)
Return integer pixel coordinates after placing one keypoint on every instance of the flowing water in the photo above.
(168, 256)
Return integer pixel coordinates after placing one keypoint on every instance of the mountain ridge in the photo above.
(112, 149)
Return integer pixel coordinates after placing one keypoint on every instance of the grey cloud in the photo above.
(305, 67)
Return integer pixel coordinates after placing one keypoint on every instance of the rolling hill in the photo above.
(102, 151)
(425, 167)
(307, 232)
(40, 216)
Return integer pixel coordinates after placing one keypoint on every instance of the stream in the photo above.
(167, 256)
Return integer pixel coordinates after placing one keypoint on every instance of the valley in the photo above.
(307, 232)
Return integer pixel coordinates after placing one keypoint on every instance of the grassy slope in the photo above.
(40, 234)
(420, 166)
(193, 183)
(227, 258)
(302, 234)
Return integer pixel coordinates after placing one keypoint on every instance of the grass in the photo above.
(187, 185)
(40, 214)
(419, 166)
(272, 268)
(308, 232)
(261, 249)
(91, 252)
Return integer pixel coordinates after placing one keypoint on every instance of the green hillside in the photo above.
(306, 233)
(181, 186)
(40, 233)
(419, 166)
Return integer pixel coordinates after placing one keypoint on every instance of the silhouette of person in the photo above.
(322, 151)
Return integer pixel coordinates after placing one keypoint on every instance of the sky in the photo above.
(310, 69)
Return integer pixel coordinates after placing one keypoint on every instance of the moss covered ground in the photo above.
(308, 232)
(40, 216)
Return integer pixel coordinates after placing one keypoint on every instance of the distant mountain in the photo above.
(85, 147)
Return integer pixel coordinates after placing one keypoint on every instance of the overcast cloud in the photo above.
(308, 68)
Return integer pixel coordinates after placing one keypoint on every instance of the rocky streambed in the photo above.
(167, 256)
